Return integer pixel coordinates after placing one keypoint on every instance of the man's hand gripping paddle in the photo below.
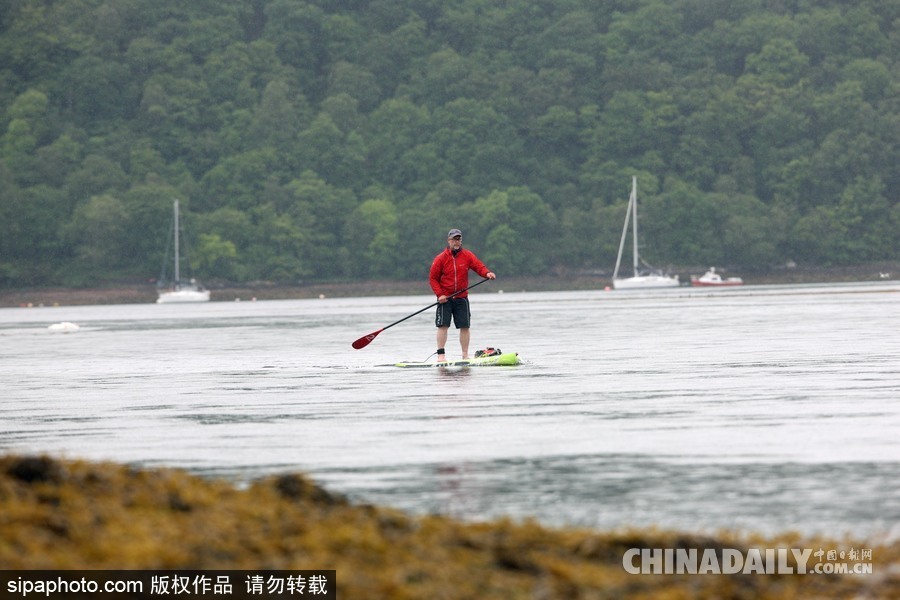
(367, 339)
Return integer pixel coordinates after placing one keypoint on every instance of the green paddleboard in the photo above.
(507, 359)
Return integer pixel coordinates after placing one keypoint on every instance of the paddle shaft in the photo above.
(366, 339)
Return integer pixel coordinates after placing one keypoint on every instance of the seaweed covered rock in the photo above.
(79, 515)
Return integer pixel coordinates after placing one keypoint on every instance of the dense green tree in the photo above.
(356, 82)
(479, 142)
(321, 209)
(322, 148)
(16, 241)
(394, 128)
(849, 31)
(149, 208)
(512, 226)
(278, 119)
(94, 86)
(216, 257)
(96, 175)
(98, 230)
(238, 180)
(315, 139)
(860, 227)
(748, 231)
(633, 123)
(778, 62)
(372, 239)
(295, 29)
(556, 133)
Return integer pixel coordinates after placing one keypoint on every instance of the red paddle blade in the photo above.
(366, 339)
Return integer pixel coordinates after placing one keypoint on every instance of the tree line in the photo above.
(321, 140)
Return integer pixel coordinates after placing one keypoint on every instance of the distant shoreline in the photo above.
(145, 293)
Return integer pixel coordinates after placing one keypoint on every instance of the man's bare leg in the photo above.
(442, 340)
(464, 342)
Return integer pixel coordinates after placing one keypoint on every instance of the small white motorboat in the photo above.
(713, 279)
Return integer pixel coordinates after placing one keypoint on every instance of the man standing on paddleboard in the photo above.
(450, 274)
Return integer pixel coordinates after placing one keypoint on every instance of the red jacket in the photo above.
(450, 273)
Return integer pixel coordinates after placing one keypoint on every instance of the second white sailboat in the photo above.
(641, 279)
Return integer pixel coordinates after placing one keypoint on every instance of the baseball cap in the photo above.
(454, 232)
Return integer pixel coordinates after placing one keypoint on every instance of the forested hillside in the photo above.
(324, 139)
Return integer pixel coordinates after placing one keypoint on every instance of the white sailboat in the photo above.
(178, 290)
(640, 279)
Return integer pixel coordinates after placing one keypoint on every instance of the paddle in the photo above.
(367, 339)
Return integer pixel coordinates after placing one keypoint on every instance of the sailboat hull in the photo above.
(643, 282)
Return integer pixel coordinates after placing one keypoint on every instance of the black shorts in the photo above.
(458, 309)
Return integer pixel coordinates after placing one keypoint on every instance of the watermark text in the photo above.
(732, 561)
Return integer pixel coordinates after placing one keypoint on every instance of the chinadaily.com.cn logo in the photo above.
(731, 561)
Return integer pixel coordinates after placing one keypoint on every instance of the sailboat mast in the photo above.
(177, 235)
(634, 222)
(624, 234)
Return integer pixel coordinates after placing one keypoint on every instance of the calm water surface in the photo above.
(761, 408)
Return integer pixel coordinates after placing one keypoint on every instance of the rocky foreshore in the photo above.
(145, 293)
(65, 514)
